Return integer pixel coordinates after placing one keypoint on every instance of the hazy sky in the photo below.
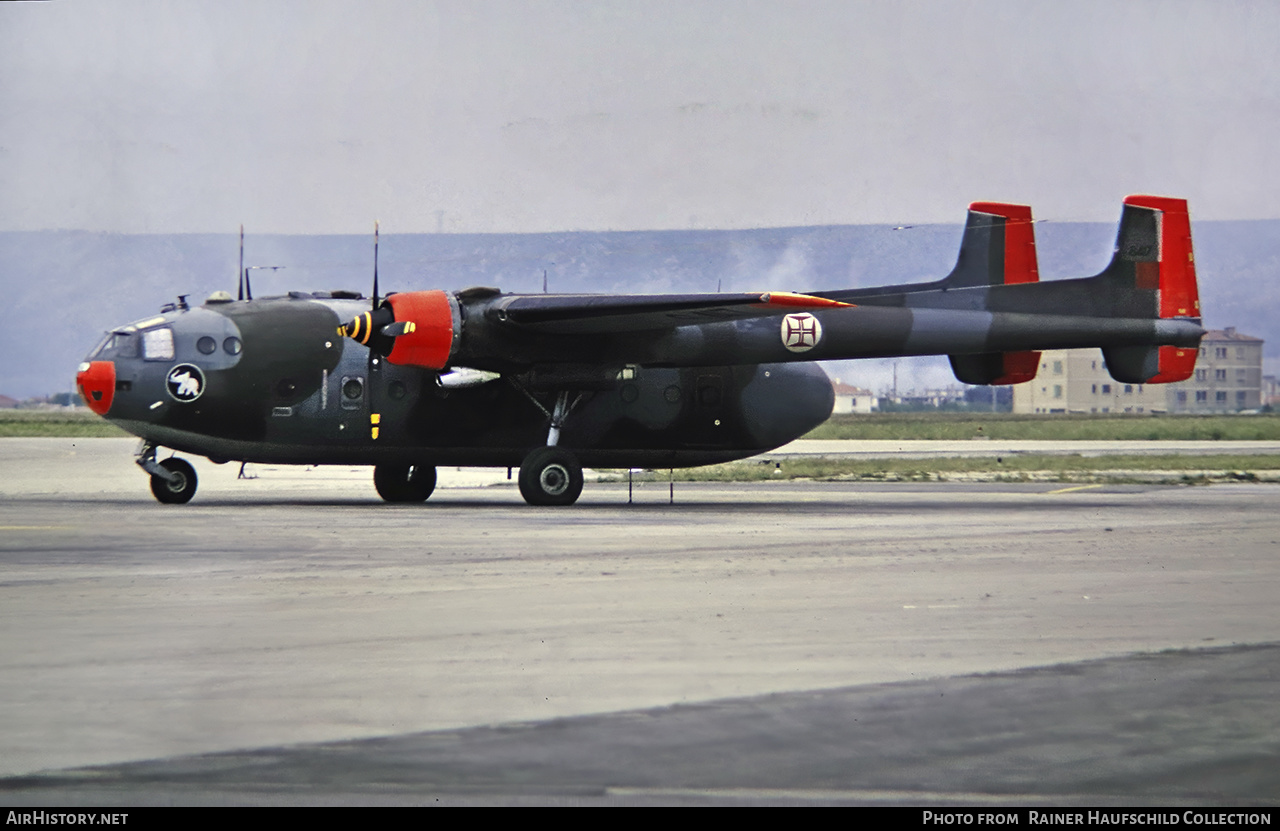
(317, 117)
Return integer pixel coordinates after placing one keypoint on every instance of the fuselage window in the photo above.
(232, 346)
(353, 388)
(157, 344)
(207, 345)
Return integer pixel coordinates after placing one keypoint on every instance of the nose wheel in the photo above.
(550, 476)
(178, 484)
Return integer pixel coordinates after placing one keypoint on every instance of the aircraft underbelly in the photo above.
(658, 417)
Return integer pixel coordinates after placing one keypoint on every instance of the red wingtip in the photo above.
(802, 301)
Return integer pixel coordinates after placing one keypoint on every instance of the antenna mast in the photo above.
(375, 264)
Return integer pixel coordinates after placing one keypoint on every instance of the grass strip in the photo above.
(1013, 468)
(71, 424)
(1006, 426)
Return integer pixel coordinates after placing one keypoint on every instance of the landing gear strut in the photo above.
(550, 476)
(404, 483)
(173, 481)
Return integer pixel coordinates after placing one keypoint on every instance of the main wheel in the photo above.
(404, 483)
(183, 486)
(550, 476)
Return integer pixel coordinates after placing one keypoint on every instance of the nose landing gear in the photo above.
(173, 481)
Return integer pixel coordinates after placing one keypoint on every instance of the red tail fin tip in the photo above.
(1020, 262)
(1179, 296)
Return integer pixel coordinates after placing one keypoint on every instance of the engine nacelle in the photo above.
(412, 328)
(437, 324)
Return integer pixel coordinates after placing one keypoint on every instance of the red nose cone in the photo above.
(97, 384)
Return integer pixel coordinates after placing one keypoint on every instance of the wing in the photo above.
(601, 313)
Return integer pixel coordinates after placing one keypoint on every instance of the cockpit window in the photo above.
(116, 345)
(157, 344)
(102, 345)
(125, 344)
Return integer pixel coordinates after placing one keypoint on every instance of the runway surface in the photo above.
(291, 640)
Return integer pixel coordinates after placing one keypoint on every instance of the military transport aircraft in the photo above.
(551, 382)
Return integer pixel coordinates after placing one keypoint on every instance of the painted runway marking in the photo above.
(1072, 490)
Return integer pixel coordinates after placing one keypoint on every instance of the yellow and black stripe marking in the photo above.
(360, 329)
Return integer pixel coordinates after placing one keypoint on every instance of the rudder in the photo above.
(1152, 274)
(998, 249)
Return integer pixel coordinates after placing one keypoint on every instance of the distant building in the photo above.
(850, 399)
(1077, 381)
(952, 397)
(1228, 376)
(1227, 379)
(7, 403)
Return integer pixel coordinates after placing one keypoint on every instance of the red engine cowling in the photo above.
(435, 320)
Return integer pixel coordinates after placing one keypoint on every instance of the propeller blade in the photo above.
(375, 265)
(395, 330)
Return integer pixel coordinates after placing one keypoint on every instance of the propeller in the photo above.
(378, 327)
(415, 328)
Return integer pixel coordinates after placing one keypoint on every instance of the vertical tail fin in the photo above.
(998, 249)
(1152, 275)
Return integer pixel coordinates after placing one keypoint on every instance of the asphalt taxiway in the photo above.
(291, 639)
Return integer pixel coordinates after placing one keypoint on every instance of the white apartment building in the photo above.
(1227, 379)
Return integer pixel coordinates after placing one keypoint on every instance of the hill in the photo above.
(61, 289)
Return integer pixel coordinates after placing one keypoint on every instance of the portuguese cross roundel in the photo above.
(801, 332)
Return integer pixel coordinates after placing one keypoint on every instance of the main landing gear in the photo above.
(404, 483)
(552, 475)
(173, 481)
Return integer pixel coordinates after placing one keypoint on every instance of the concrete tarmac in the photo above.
(290, 639)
